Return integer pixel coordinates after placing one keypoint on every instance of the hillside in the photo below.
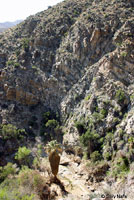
(67, 74)
(5, 25)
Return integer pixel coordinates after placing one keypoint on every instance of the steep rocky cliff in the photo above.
(74, 60)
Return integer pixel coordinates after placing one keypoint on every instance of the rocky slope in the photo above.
(75, 60)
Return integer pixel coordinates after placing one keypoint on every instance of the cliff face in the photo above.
(77, 59)
(52, 56)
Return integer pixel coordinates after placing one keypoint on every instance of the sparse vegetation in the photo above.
(87, 97)
(10, 131)
(95, 156)
(23, 155)
(25, 44)
(120, 168)
(7, 170)
(10, 62)
(80, 127)
(120, 96)
(124, 54)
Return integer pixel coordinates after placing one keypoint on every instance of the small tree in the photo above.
(8, 131)
(95, 156)
(23, 155)
(7, 170)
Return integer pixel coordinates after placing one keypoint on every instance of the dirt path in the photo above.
(74, 180)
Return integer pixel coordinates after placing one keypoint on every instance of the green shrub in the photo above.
(51, 128)
(80, 127)
(104, 112)
(121, 133)
(118, 44)
(121, 167)
(132, 97)
(120, 96)
(52, 123)
(10, 131)
(10, 62)
(7, 170)
(36, 163)
(25, 44)
(89, 136)
(98, 117)
(17, 52)
(124, 54)
(107, 156)
(33, 180)
(91, 140)
(109, 136)
(37, 159)
(85, 156)
(46, 116)
(5, 194)
(16, 65)
(34, 67)
(87, 97)
(23, 155)
(95, 156)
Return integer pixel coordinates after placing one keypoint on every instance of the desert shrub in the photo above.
(52, 123)
(104, 112)
(90, 135)
(95, 156)
(34, 67)
(120, 96)
(131, 139)
(9, 190)
(36, 163)
(80, 127)
(32, 180)
(124, 54)
(121, 167)
(7, 170)
(91, 140)
(17, 52)
(131, 142)
(107, 156)
(23, 155)
(4, 194)
(98, 117)
(16, 65)
(10, 131)
(50, 126)
(37, 159)
(87, 97)
(109, 137)
(25, 44)
(46, 116)
(10, 62)
(85, 156)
